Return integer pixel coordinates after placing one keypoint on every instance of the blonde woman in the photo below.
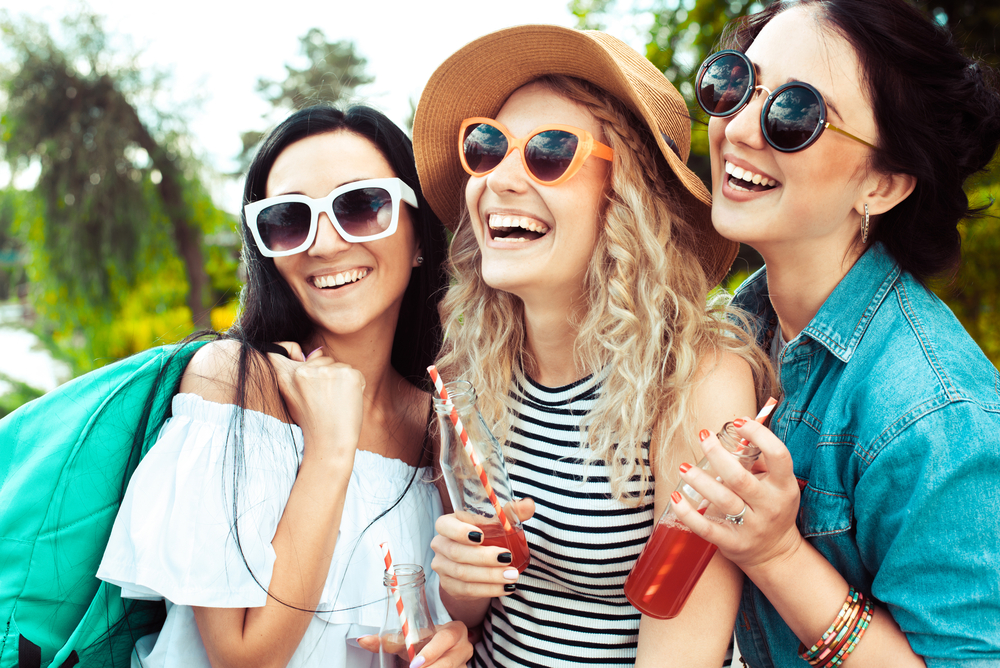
(581, 262)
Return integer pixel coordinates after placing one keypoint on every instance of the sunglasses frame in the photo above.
(586, 146)
(772, 96)
(397, 189)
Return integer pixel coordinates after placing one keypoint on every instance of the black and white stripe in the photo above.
(569, 608)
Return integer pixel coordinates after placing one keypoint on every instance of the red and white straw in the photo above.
(464, 437)
(762, 416)
(410, 636)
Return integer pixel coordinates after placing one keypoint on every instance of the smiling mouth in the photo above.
(516, 228)
(747, 181)
(334, 281)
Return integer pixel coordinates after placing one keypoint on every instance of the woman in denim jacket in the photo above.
(883, 458)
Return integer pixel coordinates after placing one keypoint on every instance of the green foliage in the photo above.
(21, 393)
(333, 71)
(112, 231)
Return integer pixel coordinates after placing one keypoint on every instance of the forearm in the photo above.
(808, 592)
(304, 543)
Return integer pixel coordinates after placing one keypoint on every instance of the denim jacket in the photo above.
(892, 416)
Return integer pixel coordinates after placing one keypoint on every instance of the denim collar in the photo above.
(843, 318)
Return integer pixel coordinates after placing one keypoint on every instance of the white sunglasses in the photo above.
(360, 211)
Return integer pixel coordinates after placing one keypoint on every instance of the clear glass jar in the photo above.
(469, 496)
(673, 559)
(406, 590)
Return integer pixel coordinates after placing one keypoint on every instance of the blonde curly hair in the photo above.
(647, 324)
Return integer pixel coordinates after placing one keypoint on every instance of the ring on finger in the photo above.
(737, 519)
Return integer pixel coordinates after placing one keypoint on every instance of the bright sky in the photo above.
(216, 50)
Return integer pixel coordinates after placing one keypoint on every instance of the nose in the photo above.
(328, 240)
(744, 126)
(509, 175)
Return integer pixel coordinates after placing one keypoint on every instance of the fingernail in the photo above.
(511, 574)
(739, 422)
(676, 497)
(685, 467)
(417, 662)
(475, 537)
(509, 587)
(703, 434)
(505, 558)
(314, 352)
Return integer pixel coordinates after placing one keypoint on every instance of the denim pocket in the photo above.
(822, 513)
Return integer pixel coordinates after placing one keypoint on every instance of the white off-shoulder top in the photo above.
(174, 539)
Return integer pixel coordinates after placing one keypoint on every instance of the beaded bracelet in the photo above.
(859, 630)
(844, 633)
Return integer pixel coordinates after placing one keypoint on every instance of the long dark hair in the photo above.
(269, 310)
(937, 113)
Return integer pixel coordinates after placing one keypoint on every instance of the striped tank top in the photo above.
(569, 608)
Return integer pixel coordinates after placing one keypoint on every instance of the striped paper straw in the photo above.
(464, 437)
(410, 636)
(764, 412)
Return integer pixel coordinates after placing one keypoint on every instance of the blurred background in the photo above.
(125, 129)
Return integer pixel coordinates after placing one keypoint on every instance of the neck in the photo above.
(370, 353)
(799, 281)
(551, 343)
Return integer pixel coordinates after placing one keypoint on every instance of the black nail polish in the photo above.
(509, 587)
(475, 537)
(505, 558)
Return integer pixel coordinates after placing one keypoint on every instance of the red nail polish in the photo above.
(739, 422)
(703, 434)
(685, 467)
(676, 497)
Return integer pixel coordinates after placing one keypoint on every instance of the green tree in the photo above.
(684, 32)
(119, 205)
(332, 73)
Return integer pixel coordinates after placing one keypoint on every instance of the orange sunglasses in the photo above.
(551, 154)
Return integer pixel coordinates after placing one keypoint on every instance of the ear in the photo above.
(887, 191)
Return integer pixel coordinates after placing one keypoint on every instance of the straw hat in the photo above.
(478, 79)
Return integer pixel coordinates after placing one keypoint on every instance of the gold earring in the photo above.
(864, 226)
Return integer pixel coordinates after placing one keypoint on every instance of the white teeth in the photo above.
(497, 222)
(341, 278)
(746, 175)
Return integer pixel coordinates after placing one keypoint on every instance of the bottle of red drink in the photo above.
(406, 602)
(470, 497)
(673, 559)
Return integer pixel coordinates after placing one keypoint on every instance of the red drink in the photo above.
(495, 536)
(667, 570)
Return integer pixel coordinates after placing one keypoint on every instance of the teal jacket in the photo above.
(892, 416)
(65, 461)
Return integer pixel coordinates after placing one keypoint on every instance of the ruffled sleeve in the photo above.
(197, 521)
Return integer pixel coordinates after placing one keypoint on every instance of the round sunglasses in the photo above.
(551, 154)
(360, 211)
(793, 116)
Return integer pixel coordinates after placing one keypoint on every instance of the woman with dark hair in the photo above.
(258, 514)
(883, 458)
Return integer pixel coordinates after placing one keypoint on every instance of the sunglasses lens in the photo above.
(364, 212)
(550, 153)
(484, 147)
(723, 85)
(284, 226)
(793, 117)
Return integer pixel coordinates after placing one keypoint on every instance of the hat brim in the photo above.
(478, 79)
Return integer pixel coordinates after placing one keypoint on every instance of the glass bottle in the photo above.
(674, 558)
(406, 585)
(469, 496)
